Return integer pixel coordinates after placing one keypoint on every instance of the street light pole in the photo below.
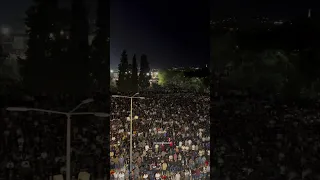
(68, 163)
(131, 99)
(68, 114)
(131, 119)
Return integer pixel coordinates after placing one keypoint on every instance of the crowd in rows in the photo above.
(266, 139)
(171, 140)
(171, 137)
(33, 144)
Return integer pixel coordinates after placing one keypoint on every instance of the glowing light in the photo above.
(5, 30)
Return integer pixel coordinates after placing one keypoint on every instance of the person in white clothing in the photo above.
(157, 176)
(187, 148)
(208, 171)
(121, 176)
(187, 174)
(193, 147)
(145, 176)
(177, 177)
(116, 175)
(147, 147)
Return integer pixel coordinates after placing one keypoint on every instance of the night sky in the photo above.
(270, 8)
(171, 33)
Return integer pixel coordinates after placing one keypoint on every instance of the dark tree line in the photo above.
(59, 58)
(129, 78)
(282, 62)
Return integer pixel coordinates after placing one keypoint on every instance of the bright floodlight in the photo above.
(111, 71)
(17, 109)
(101, 114)
(87, 101)
(148, 74)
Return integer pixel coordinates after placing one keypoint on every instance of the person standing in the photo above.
(187, 174)
(121, 176)
(116, 175)
(121, 161)
(157, 176)
(164, 167)
(116, 162)
(145, 176)
(177, 176)
(157, 148)
(175, 157)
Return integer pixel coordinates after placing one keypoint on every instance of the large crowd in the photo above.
(33, 144)
(171, 137)
(171, 140)
(266, 139)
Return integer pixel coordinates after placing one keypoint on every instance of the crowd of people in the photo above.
(266, 139)
(171, 137)
(33, 144)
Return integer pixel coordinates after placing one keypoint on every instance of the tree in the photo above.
(100, 48)
(171, 79)
(264, 73)
(163, 77)
(134, 75)
(144, 75)
(59, 51)
(123, 80)
(309, 65)
(77, 67)
(9, 69)
(3, 56)
(100, 60)
(39, 23)
(222, 52)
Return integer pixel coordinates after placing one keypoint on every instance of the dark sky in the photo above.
(170, 32)
(270, 8)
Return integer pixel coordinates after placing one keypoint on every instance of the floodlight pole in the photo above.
(69, 114)
(131, 119)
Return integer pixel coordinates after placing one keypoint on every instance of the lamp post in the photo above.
(131, 118)
(68, 114)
